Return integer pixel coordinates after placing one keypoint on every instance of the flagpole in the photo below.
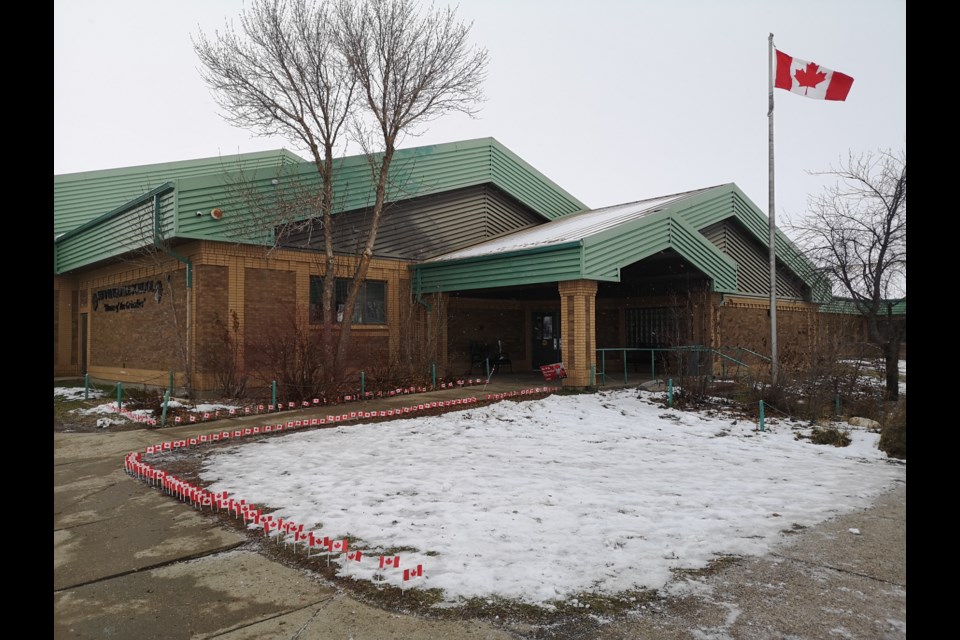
(773, 225)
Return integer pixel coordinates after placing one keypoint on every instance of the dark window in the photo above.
(654, 327)
(371, 306)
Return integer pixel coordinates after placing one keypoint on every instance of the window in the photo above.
(371, 307)
(655, 327)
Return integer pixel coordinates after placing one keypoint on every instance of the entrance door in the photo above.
(545, 341)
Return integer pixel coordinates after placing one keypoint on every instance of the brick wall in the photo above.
(138, 330)
(212, 317)
(487, 321)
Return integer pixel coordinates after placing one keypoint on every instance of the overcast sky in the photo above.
(614, 100)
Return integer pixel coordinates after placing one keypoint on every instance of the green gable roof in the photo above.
(596, 244)
(81, 197)
(245, 186)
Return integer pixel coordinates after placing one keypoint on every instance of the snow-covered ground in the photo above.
(542, 500)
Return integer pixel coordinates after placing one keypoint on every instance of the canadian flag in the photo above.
(355, 556)
(389, 562)
(409, 574)
(810, 79)
(338, 546)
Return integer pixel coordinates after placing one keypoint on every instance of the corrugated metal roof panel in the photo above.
(570, 227)
(84, 196)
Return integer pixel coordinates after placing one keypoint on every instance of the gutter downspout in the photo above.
(418, 290)
(186, 261)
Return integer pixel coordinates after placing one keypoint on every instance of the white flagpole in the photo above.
(773, 228)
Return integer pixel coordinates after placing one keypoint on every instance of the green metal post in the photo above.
(86, 386)
(836, 410)
(761, 415)
(486, 366)
(670, 392)
(273, 394)
(119, 396)
(592, 375)
(603, 365)
(363, 385)
(653, 372)
(433, 374)
(624, 366)
(163, 414)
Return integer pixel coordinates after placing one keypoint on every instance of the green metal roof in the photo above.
(849, 306)
(244, 188)
(596, 244)
(81, 197)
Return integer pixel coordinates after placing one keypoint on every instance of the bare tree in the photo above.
(282, 74)
(411, 68)
(856, 234)
(305, 70)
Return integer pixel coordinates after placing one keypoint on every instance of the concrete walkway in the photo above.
(130, 562)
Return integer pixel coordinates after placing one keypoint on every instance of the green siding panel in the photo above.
(81, 197)
(251, 188)
(533, 267)
(126, 229)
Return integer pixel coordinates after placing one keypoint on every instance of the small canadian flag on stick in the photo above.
(386, 561)
(410, 574)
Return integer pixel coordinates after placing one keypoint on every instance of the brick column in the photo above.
(578, 330)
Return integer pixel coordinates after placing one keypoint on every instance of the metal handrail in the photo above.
(601, 373)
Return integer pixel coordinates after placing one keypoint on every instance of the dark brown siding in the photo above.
(422, 228)
(753, 261)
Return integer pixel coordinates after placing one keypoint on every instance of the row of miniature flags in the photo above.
(205, 416)
(331, 420)
(282, 531)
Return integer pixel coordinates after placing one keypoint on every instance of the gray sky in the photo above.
(614, 100)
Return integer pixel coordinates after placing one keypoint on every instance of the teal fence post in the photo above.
(653, 372)
(836, 410)
(761, 415)
(592, 375)
(119, 396)
(163, 414)
(670, 392)
(486, 366)
(624, 366)
(363, 385)
(86, 386)
(273, 393)
(433, 374)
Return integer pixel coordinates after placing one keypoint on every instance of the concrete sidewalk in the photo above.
(130, 562)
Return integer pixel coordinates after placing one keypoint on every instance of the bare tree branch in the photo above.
(856, 233)
(321, 73)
